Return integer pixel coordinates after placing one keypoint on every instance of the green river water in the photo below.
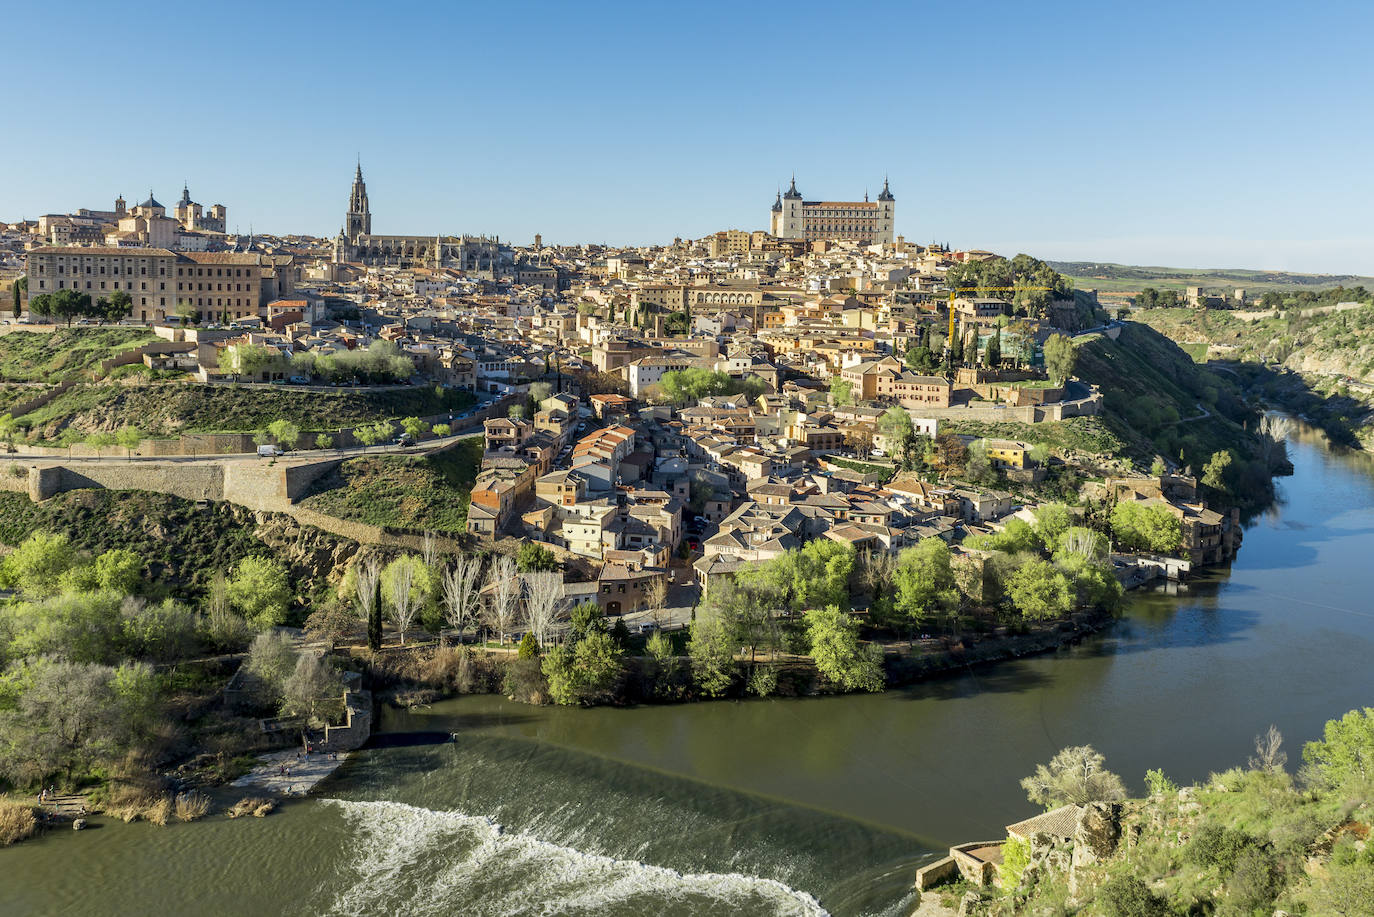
(811, 806)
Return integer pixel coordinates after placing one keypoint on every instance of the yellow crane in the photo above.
(954, 294)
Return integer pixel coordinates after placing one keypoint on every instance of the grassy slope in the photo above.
(183, 544)
(1081, 434)
(34, 356)
(170, 408)
(403, 491)
(1150, 387)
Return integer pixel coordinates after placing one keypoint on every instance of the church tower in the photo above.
(359, 220)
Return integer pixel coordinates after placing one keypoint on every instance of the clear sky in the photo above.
(1204, 134)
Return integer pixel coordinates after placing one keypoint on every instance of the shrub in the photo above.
(1015, 858)
(1219, 847)
(1159, 784)
(192, 805)
(159, 812)
(17, 821)
(1127, 896)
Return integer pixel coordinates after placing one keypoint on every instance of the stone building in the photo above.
(865, 221)
(356, 242)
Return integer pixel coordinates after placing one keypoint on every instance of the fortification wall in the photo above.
(190, 481)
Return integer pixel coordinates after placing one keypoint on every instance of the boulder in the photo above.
(79, 824)
(1095, 838)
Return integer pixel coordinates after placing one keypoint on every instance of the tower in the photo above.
(887, 214)
(775, 216)
(791, 221)
(359, 219)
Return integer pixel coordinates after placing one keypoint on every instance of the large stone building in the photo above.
(355, 242)
(144, 225)
(223, 286)
(865, 221)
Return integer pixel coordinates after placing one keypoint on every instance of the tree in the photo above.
(533, 557)
(118, 306)
(18, 310)
(313, 690)
(271, 659)
(69, 717)
(1039, 590)
(859, 438)
(992, 356)
(1052, 520)
(324, 441)
(1074, 776)
(259, 591)
(247, 359)
(1269, 754)
(371, 434)
(503, 588)
(956, 350)
(924, 581)
(441, 430)
(459, 586)
(895, 426)
(585, 618)
(129, 438)
(286, 433)
(37, 564)
(841, 391)
(587, 673)
(368, 590)
(414, 427)
(656, 599)
(42, 305)
(1345, 755)
(1061, 355)
(834, 637)
(1139, 525)
(1217, 470)
(712, 651)
(543, 592)
(119, 570)
(950, 452)
(403, 585)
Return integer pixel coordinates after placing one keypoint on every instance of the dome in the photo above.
(151, 201)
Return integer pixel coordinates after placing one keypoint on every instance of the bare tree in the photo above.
(1269, 756)
(402, 594)
(656, 599)
(542, 594)
(368, 573)
(429, 550)
(460, 589)
(504, 587)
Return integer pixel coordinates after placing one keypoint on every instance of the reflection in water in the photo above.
(779, 806)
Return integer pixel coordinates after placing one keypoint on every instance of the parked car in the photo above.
(270, 451)
(300, 380)
(648, 627)
(405, 439)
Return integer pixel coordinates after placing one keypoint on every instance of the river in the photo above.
(810, 806)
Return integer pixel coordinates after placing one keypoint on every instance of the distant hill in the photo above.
(1130, 278)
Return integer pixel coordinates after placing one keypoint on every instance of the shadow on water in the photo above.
(995, 677)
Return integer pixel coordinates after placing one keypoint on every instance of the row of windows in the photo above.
(222, 287)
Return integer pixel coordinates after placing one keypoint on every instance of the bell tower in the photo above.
(359, 219)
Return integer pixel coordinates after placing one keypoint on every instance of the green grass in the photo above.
(403, 491)
(167, 409)
(34, 356)
(1081, 434)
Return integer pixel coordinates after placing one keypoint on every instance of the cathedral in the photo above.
(355, 242)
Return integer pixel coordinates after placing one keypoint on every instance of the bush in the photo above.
(17, 821)
(1219, 847)
(192, 805)
(1127, 896)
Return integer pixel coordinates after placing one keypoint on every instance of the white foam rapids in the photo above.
(409, 860)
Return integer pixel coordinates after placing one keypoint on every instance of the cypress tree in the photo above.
(374, 620)
(994, 354)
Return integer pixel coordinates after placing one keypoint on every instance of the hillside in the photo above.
(1159, 402)
(41, 356)
(1116, 277)
(167, 409)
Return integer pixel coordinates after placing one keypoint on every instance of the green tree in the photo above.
(1127, 896)
(324, 441)
(258, 590)
(841, 391)
(441, 430)
(120, 570)
(1216, 472)
(586, 618)
(18, 309)
(129, 438)
(370, 434)
(1145, 526)
(712, 651)
(313, 690)
(992, 356)
(1039, 590)
(1052, 520)
(1345, 755)
(529, 647)
(286, 433)
(895, 426)
(534, 557)
(588, 673)
(118, 306)
(37, 565)
(1076, 776)
(1061, 356)
(834, 638)
(414, 427)
(925, 582)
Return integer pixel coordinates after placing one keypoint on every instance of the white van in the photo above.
(269, 451)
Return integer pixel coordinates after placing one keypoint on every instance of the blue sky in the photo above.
(1191, 134)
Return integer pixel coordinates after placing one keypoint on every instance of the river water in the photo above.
(811, 806)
